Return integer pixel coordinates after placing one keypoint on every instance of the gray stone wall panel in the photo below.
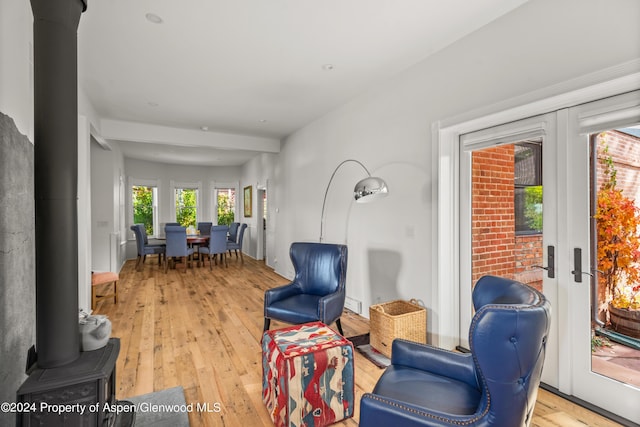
(17, 260)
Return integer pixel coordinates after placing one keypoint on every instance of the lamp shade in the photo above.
(370, 189)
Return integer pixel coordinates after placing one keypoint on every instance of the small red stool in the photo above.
(103, 278)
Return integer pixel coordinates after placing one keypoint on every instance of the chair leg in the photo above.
(95, 296)
(339, 325)
(267, 322)
(138, 263)
(210, 263)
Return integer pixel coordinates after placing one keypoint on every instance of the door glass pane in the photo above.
(506, 212)
(615, 203)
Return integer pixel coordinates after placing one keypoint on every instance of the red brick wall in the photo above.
(496, 249)
(528, 253)
(625, 151)
(493, 224)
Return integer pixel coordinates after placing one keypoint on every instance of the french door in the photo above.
(508, 224)
(527, 195)
(590, 129)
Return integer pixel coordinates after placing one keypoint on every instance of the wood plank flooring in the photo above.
(201, 330)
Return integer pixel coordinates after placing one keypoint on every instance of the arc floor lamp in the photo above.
(366, 190)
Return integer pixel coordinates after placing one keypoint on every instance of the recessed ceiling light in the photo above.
(328, 67)
(204, 128)
(153, 18)
(152, 104)
(263, 120)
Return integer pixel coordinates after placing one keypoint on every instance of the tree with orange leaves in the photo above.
(618, 222)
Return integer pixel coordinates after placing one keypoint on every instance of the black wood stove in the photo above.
(66, 386)
(81, 393)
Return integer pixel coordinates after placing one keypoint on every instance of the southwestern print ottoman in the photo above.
(307, 375)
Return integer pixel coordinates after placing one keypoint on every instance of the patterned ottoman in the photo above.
(307, 375)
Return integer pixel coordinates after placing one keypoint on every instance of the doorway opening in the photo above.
(261, 228)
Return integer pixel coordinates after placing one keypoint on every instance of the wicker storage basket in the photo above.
(396, 319)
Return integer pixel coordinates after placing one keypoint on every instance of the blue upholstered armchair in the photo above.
(143, 246)
(494, 385)
(317, 291)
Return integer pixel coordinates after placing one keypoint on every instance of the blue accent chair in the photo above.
(217, 244)
(317, 292)
(205, 228)
(496, 384)
(233, 231)
(143, 246)
(177, 245)
(237, 245)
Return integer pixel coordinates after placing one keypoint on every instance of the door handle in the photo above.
(551, 262)
(577, 266)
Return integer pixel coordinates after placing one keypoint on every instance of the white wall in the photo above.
(258, 173)
(16, 73)
(388, 128)
(107, 227)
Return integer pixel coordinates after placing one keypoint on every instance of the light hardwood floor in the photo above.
(201, 330)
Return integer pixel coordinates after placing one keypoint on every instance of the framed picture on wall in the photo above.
(247, 201)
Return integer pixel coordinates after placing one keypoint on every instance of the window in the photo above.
(145, 207)
(226, 205)
(528, 187)
(186, 206)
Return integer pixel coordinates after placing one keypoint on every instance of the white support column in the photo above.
(84, 213)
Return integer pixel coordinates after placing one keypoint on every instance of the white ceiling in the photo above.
(255, 68)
